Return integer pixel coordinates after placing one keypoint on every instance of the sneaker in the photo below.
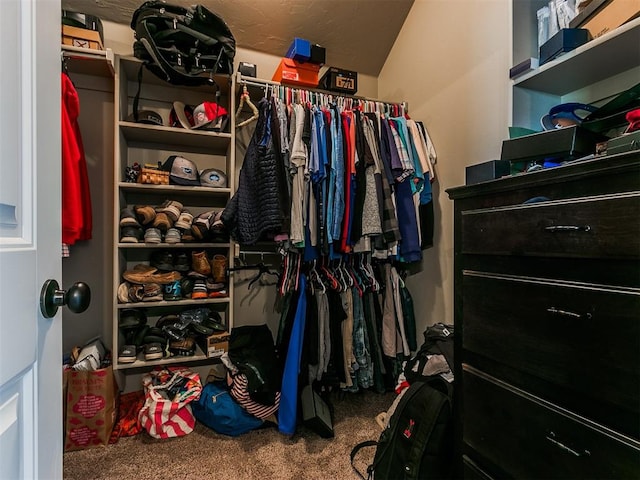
(185, 347)
(173, 236)
(173, 291)
(162, 260)
(218, 231)
(131, 234)
(162, 222)
(201, 224)
(152, 292)
(128, 218)
(172, 208)
(187, 236)
(152, 235)
(200, 263)
(199, 289)
(127, 354)
(136, 293)
(145, 214)
(186, 285)
(219, 268)
(184, 220)
(153, 351)
(123, 292)
(181, 262)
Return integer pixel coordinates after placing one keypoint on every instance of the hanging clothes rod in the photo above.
(258, 82)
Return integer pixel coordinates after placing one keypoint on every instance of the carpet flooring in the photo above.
(260, 454)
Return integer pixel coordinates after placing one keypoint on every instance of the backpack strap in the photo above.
(355, 450)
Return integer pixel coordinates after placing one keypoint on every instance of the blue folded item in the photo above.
(218, 410)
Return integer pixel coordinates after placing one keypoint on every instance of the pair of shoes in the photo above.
(131, 234)
(201, 224)
(199, 289)
(152, 235)
(184, 220)
(128, 218)
(152, 292)
(162, 222)
(173, 236)
(168, 261)
(127, 354)
(173, 291)
(145, 214)
(143, 274)
(171, 208)
(219, 268)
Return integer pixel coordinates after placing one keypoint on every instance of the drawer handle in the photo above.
(552, 438)
(568, 228)
(565, 313)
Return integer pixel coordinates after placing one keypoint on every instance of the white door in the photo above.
(30, 233)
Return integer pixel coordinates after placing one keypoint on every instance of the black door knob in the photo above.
(76, 298)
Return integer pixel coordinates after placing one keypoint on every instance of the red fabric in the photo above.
(76, 196)
(129, 408)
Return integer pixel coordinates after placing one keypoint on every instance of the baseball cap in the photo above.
(212, 177)
(146, 116)
(181, 115)
(182, 171)
(209, 116)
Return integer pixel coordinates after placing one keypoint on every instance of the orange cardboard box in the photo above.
(614, 14)
(295, 73)
(81, 37)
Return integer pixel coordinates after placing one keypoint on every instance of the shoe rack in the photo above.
(148, 144)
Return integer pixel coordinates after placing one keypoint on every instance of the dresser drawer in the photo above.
(606, 226)
(531, 438)
(581, 337)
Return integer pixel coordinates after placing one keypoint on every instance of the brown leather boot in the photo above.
(200, 263)
(219, 268)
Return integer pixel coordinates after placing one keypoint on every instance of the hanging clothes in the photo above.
(260, 207)
(76, 195)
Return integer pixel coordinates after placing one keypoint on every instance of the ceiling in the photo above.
(357, 34)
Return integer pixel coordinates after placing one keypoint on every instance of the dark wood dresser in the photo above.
(547, 317)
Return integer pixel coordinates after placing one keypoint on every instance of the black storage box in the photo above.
(483, 172)
(315, 413)
(318, 55)
(339, 80)
(561, 144)
(247, 69)
(565, 40)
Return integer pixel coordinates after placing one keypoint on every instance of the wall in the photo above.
(450, 62)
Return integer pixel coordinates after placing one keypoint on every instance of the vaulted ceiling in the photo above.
(357, 34)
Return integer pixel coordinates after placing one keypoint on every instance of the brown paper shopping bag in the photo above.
(90, 407)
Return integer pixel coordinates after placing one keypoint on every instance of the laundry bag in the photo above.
(168, 393)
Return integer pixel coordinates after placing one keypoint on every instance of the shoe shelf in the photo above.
(174, 303)
(141, 363)
(150, 145)
(182, 245)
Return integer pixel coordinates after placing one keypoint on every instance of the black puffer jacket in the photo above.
(259, 207)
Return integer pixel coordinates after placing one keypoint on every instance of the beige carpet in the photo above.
(260, 454)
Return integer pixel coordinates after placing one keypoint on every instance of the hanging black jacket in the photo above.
(259, 207)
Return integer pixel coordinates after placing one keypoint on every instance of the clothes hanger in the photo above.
(246, 99)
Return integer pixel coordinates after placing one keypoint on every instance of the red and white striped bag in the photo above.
(166, 411)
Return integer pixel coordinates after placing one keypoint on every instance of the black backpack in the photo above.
(438, 340)
(418, 440)
(183, 46)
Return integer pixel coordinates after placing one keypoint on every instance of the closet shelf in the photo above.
(147, 189)
(615, 52)
(174, 303)
(130, 66)
(88, 62)
(142, 246)
(192, 140)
